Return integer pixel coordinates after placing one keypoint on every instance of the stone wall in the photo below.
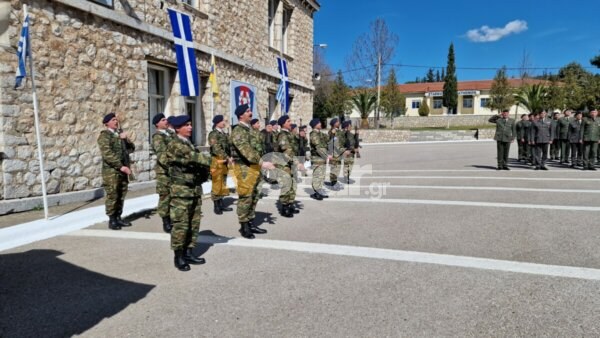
(88, 64)
(398, 135)
(407, 122)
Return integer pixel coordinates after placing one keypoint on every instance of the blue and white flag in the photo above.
(283, 92)
(23, 52)
(184, 49)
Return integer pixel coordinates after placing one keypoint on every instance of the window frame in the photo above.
(468, 99)
(487, 101)
(440, 101)
(102, 3)
(165, 96)
(415, 104)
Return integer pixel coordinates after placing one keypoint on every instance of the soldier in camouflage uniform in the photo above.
(318, 158)
(221, 156)
(247, 152)
(335, 143)
(184, 163)
(115, 148)
(160, 140)
(590, 140)
(288, 146)
(350, 146)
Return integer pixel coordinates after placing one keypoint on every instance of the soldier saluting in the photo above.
(115, 148)
(505, 134)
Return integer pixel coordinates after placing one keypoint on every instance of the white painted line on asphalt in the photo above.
(423, 142)
(373, 253)
(332, 199)
(454, 187)
(574, 171)
(485, 178)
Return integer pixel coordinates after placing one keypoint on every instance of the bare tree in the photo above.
(526, 66)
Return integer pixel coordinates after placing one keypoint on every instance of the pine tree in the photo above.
(430, 77)
(437, 76)
(450, 97)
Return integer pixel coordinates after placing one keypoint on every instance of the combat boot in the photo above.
(180, 263)
(189, 257)
(285, 211)
(254, 228)
(292, 209)
(316, 196)
(217, 207)
(222, 206)
(167, 225)
(122, 222)
(245, 230)
(113, 224)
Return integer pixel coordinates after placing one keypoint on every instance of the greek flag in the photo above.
(184, 48)
(283, 92)
(23, 52)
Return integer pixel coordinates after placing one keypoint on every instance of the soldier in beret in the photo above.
(160, 140)
(563, 136)
(506, 131)
(184, 163)
(247, 154)
(541, 136)
(221, 156)
(275, 132)
(575, 137)
(336, 148)
(115, 148)
(318, 157)
(288, 146)
(350, 146)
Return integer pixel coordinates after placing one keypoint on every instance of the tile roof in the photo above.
(462, 85)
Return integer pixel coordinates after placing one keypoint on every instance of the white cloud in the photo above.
(487, 34)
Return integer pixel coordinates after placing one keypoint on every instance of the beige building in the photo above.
(97, 56)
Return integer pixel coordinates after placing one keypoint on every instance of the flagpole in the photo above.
(37, 122)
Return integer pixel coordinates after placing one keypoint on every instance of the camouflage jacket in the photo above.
(219, 144)
(288, 145)
(337, 140)
(318, 146)
(245, 145)
(186, 168)
(115, 151)
(349, 140)
(160, 140)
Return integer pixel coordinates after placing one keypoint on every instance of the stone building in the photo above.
(97, 56)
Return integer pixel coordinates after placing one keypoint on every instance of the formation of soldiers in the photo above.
(569, 137)
(275, 155)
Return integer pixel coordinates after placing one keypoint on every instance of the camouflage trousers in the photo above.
(185, 216)
(115, 185)
(218, 172)
(334, 170)
(246, 179)
(348, 164)
(288, 185)
(319, 169)
(164, 195)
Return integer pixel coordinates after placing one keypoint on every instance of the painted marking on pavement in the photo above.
(373, 253)
(486, 178)
(454, 187)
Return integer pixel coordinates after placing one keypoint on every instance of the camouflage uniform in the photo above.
(350, 144)
(288, 146)
(257, 142)
(336, 142)
(246, 152)
(220, 151)
(115, 154)
(318, 157)
(184, 163)
(160, 140)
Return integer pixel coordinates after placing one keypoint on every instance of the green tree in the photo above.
(392, 101)
(501, 94)
(437, 76)
(555, 98)
(532, 97)
(339, 99)
(424, 108)
(430, 77)
(573, 91)
(364, 102)
(450, 96)
(595, 61)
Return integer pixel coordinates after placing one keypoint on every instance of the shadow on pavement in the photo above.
(202, 247)
(44, 296)
(263, 217)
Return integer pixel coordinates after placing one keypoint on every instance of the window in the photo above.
(273, 4)
(485, 101)
(437, 103)
(108, 3)
(416, 104)
(287, 15)
(189, 2)
(158, 83)
(272, 105)
(279, 25)
(467, 101)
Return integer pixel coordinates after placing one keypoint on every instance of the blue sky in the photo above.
(553, 33)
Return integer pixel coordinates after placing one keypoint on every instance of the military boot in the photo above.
(222, 206)
(189, 257)
(113, 224)
(217, 208)
(167, 225)
(293, 209)
(254, 228)
(180, 263)
(122, 222)
(245, 230)
(285, 211)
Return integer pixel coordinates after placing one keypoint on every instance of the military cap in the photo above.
(282, 120)
(179, 121)
(241, 109)
(333, 121)
(346, 124)
(108, 117)
(313, 123)
(157, 118)
(273, 123)
(170, 119)
(293, 126)
(217, 119)
(253, 121)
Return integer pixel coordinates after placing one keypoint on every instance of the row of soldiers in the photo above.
(566, 138)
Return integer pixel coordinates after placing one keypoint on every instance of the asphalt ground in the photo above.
(428, 240)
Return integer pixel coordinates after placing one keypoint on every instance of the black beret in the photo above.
(217, 119)
(313, 123)
(108, 117)
(282, 120)
(157, 118)
(170, 119)
(333, 121)
(346, 124)
(241, 109)
(179, 121)
(273, 123)
(253, 121)
(293, 126)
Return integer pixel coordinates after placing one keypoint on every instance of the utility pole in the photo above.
(378, 91)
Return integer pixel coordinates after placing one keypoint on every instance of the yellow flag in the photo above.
(213, 78)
